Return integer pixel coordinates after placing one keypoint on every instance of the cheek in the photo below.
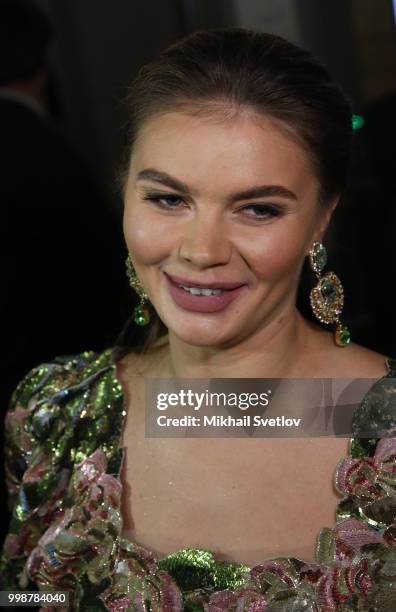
(277, 255)
(144, 236)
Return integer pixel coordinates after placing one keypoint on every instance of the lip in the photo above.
(177, 280)
(202, 303)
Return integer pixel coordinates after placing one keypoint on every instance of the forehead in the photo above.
(214, 151)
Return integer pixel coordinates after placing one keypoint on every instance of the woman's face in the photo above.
(219, 216)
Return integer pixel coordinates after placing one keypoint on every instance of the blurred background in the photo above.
(63, 74)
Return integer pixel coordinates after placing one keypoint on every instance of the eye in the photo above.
(167, 201)
(261, 211)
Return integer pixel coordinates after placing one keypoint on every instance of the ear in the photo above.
(324, 219)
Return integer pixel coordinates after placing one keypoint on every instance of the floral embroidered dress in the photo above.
(63, 462)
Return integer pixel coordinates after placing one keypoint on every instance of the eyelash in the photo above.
(272, 210)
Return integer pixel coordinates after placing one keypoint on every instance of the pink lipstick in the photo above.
(192, 298)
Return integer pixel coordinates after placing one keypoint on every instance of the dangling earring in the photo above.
(327, 298)
(141, 313)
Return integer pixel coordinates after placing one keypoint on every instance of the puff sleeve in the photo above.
(33, 491)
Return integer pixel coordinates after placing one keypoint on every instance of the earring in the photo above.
(141, 313)
(327, 298)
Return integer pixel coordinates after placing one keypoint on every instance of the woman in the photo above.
(238, 154)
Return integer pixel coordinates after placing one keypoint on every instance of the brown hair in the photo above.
(223, 71)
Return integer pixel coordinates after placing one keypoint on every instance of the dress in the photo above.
(63, 462)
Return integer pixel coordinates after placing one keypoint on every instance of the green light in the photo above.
(357, 122)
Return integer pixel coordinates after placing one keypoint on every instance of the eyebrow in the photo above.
(259, 191)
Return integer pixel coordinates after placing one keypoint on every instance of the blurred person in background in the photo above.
(61, 256)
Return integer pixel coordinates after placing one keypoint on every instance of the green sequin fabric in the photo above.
(63, 462)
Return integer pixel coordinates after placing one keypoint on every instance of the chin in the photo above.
(202, 329)
(201, 335)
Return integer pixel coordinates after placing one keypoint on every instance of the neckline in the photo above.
(186, 553)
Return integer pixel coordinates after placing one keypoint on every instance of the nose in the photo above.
(204, 243)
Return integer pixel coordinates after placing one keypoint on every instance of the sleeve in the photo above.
(34, 437)
(20, 445)
(31, 416)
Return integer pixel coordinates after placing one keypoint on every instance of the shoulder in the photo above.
(59, 413)
(360, 362)
(51, 396)
(375, 409)
(46, 379)
(326, 359)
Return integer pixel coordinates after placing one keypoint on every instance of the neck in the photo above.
(270, 353)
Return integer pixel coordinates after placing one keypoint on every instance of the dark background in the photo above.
(97, 47)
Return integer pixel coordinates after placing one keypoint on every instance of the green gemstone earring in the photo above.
(327, 297)
(141, 313)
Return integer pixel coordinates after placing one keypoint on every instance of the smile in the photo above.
(199, 297)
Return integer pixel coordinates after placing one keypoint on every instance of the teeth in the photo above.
(201, 291)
